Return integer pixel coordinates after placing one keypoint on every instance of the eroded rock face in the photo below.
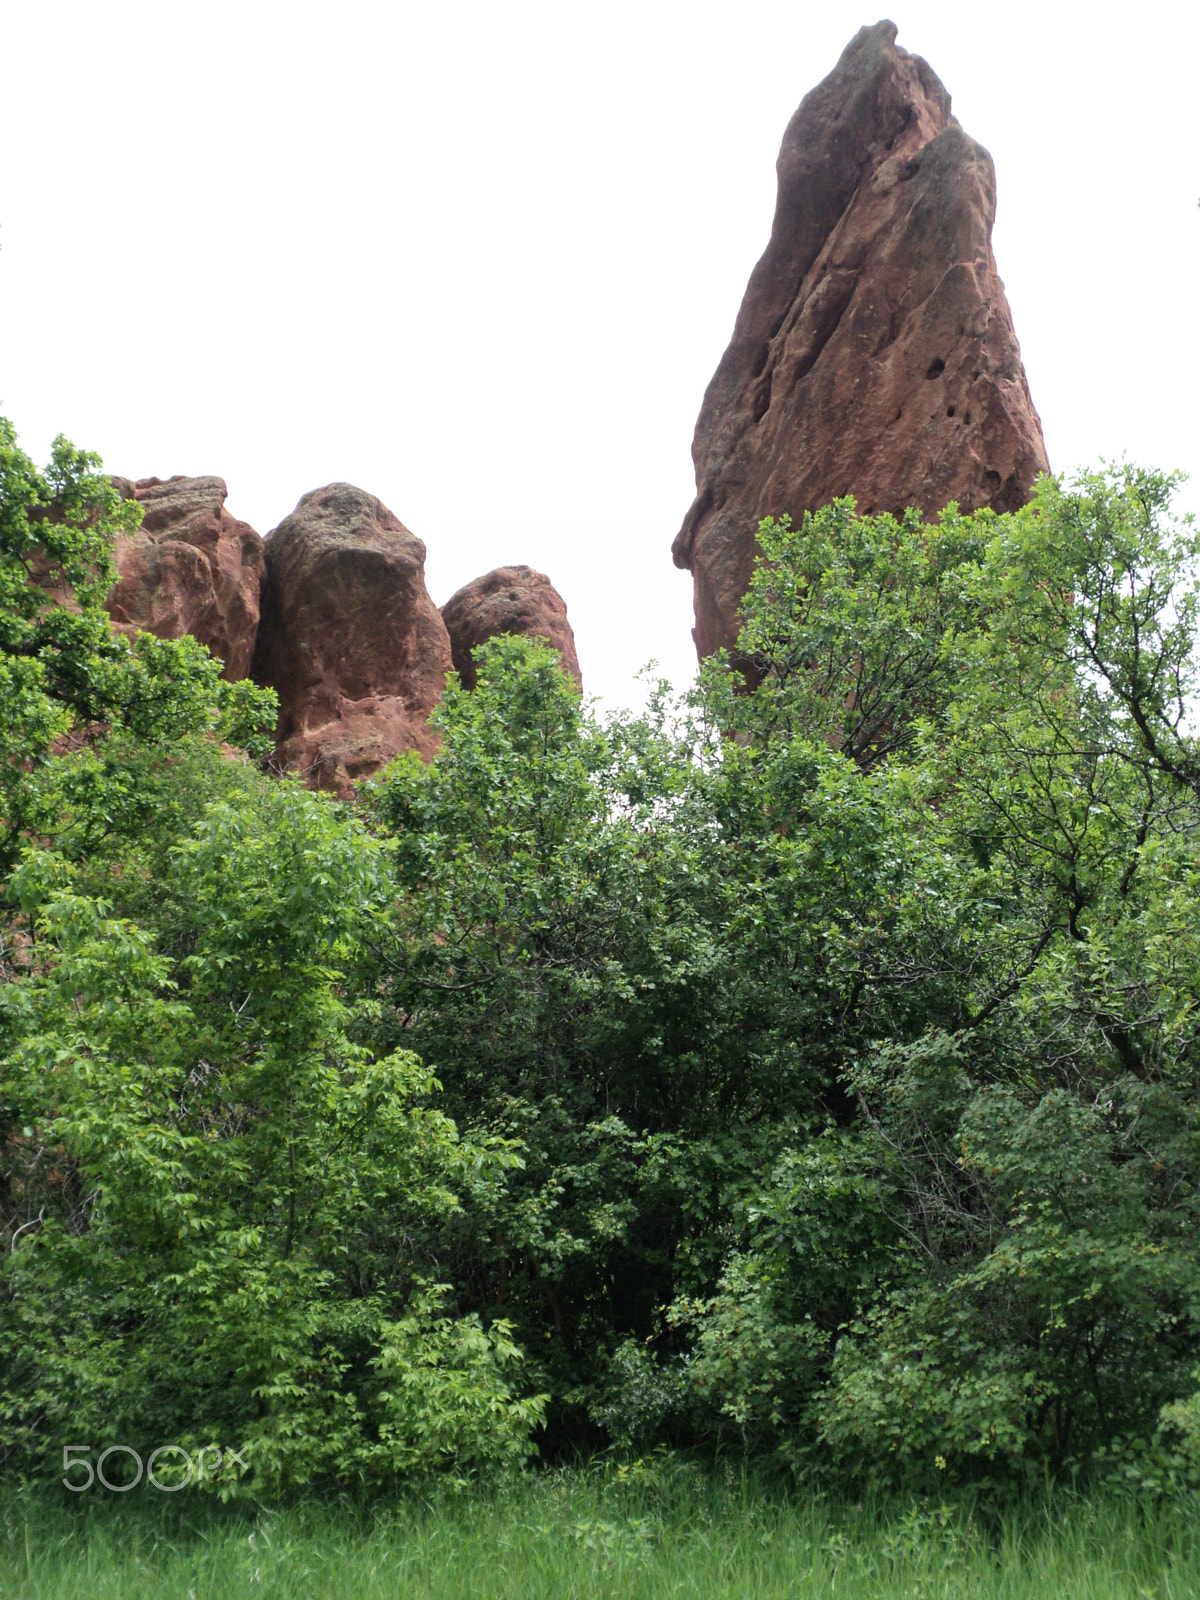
(508, 600)
(874, 351)
(190, 568)
(349, 638)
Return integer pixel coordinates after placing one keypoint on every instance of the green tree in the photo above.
(67, 681)
(993, 1262)
(224, 1219)
(232, 1212)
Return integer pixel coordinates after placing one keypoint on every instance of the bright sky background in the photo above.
(482, 258)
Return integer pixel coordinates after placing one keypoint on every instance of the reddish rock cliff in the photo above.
(508, 600)
(874, 352)
(349, 638)
(190, 568)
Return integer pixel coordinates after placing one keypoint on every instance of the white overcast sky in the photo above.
(482, 258)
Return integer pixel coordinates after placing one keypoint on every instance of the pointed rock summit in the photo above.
(874, 351)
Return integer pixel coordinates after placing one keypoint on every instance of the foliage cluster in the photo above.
(807, 1065)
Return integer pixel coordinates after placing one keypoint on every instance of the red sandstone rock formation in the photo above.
(874, 352)
(508, 600)
(190, 568)
(349, 638)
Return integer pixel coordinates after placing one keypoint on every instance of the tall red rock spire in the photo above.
(874, 351)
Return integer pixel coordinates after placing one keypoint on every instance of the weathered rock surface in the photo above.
(190, 568)
(349, 638)
(508, 600)
(874, 351)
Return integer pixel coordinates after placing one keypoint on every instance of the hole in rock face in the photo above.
(993, 478)
(936, 367)
(950, 411)
(967, 419)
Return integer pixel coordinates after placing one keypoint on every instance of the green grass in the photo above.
(654, 1532)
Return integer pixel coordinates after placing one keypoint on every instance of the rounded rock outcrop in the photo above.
(508, 600)
(191, 568)
(349, 639)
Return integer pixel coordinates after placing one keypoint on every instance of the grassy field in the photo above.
(650, 1532)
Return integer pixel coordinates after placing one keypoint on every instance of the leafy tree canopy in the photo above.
(67, 681)
(806, 1063)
